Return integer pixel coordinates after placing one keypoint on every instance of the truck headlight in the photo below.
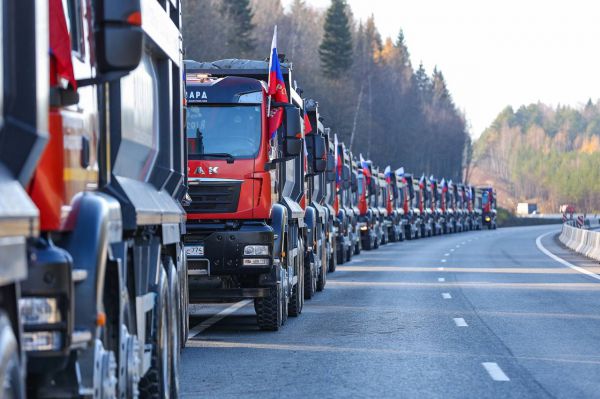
(364, 227)
(488, 219)
(257, 250)
(42, 341)
(39, 310)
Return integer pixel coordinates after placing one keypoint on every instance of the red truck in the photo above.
(245, 219)
(106, 273)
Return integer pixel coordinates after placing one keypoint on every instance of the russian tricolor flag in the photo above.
(388, 174)
(275, 88)
(365, 167)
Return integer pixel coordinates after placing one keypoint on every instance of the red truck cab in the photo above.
(245, 228)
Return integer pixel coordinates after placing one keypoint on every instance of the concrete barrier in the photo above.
(583, 241)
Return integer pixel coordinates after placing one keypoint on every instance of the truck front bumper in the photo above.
(220, 251)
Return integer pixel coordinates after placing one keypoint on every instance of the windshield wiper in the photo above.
(225, 155)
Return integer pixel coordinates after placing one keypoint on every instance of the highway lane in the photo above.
(478, 314)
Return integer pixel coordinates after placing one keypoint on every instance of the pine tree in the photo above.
(335, 50)
(240, 33)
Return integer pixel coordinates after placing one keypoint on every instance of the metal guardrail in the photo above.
(583, 241)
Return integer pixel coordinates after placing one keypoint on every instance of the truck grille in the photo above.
(214, 197)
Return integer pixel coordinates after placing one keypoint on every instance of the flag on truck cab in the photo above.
(444, 185)
(338, 162)
(365, 167)
(275, 88)
(307, 125)
(61, 65)
(400, 171)
(422, 182)
(388, 174)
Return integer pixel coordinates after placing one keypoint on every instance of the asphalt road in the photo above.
(471, 315)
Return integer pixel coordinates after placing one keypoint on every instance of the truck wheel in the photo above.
(185, 301)
(367, 245)
(155, 384)
(349, 252)
(11, 377)
(296, 302)
(357, 248)
(269, 310)
(310, 285)
(174, 325)
(341, 255)
(333, 260)
(322, 280)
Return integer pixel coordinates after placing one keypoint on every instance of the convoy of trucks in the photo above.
(133, 183)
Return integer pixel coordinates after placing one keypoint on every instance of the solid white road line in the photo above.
(540, 246)
(495, 371)
(440, 268)
(446, 295)
(198, 328)
(441, 279)
(460, 322)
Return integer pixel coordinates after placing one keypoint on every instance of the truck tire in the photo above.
(155, 384)
(296, 302)
(357, 248)
(185, 301)
(269, 309)
(333, 260)
(175, 323)
(11, 376)
(341, 255)
(322, 280)
(310, 283)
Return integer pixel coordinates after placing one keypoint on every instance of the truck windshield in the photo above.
(219, 130)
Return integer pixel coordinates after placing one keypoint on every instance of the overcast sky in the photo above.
(496, 53)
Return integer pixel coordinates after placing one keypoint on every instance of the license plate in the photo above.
(194, 250)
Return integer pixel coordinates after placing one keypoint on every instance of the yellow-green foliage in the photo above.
(551, 155)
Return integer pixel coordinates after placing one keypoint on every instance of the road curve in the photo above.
(478, 314)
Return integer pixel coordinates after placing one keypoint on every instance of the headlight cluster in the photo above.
(256, 250)
(40, 311)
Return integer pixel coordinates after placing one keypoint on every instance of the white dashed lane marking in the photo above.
(446, 295)
(198, 328)
(495, 371)
(460, 322)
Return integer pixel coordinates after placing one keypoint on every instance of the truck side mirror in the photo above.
(292, 141)
(293, 127)
(119, 36)
(292, 146)
(354, 183)
(320, 162)
(346, 176)
(330, 168)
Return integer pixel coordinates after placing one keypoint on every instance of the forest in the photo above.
(542, 154)
(368, 89)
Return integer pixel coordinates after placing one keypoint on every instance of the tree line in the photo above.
(543, 154)
(369, 92)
